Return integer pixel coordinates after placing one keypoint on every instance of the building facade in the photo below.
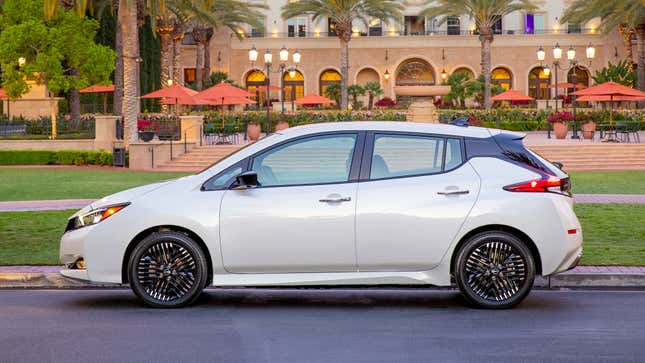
(410, 57)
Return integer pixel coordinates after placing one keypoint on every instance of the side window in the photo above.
(453, 154)
(224, 178)
(314, 160)
(406, 155)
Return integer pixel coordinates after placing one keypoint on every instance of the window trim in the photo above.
(368, 152)
(242, 163)
(354, 169)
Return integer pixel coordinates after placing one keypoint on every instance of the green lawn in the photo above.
(614, 235)
(608, 182)
(33, 184)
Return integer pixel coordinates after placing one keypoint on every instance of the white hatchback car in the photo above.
(352, 203)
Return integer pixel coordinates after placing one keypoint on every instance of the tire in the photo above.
(167, 270)
(494, 270)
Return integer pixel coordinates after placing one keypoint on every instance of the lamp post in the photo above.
(268, 61)
(573, 64)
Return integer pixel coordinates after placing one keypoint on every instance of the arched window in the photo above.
(470, 73)
(415, 72)
(294, 87)
(581, 77)
(539, 83)
(327, 78)
(367, 75)
(502, 77)
(255, 79)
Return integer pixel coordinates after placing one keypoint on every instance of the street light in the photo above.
(590, 53)
(268, 61)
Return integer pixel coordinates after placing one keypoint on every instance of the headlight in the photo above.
(94, 216)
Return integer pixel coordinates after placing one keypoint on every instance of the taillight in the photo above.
(547, 184)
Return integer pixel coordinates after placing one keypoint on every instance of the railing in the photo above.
(167, 129)
(422, 33)
(41, 128)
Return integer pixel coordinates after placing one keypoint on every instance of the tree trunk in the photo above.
(199, 66)
(207, 52)
(344, 73)
(486, 39)
(176, 60)
(370, 102)
(640, 48)
(166, 57)
(130, 39)
(117, 100)
(629, 52)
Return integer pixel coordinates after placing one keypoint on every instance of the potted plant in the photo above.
(145, 130)
(560, 121)
(281, 125)
(588, 125)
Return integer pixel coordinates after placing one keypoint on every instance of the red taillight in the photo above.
(548, 183)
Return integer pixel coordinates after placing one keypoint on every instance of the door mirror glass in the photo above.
(248, 179)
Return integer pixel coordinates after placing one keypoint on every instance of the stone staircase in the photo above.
(582, 156)
(595, 156)
(198, 158)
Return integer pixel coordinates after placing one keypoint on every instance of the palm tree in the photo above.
(458, 82)
(485, 13)
(354, 91)
(334, 92)
(127, 19)
(373, 90)
(629, 14)
(207, 16)
(343, 13)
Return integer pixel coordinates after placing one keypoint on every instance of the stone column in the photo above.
(191, 128)
(105, 127)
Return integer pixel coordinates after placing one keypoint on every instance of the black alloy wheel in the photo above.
(167, 269)
(494, 270)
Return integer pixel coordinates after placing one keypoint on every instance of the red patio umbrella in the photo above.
(3, 94)
(313, 99)
(512, 95)
(611, 90)
(223, 101)
(562, 85)
(99, 88)
(174, 95)
(271, 88)
(609, 98)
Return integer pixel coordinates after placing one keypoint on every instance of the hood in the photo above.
(127, 195)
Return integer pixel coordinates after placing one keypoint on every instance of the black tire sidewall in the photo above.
(462, 279)
(201, 268)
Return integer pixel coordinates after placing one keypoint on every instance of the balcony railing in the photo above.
(426, 33)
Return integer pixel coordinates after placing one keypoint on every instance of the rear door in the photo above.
(415, 193)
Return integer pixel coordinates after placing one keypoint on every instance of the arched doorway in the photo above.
(327, 78)
(581, 77)
(255, 79)
(415, 72)
(367, 75)
(503, 77)
(294, 85)
(470, 73)
(539, 83)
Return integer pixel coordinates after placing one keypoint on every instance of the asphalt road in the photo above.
(320, 325)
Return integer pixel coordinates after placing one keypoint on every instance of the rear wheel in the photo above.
(167, 269)
(494, 270)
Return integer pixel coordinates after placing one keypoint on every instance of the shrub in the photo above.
(63, 157)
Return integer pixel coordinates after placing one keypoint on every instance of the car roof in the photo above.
(442, 129)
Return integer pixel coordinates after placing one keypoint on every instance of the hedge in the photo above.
(47, 157)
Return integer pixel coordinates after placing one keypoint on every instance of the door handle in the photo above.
(335, 200)
(454, 192)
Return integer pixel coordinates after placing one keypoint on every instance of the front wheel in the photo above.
(167, 269)
(494, 270)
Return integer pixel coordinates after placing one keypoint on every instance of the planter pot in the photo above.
(253, 131)
(282, 125)
(146, 136)
(560, 130)
(588, 130)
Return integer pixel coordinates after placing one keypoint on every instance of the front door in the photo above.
(301, 216)
(417, 197)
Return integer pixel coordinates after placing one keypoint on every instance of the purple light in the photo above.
(529, 24)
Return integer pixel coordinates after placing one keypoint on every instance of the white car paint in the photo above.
(402, 232)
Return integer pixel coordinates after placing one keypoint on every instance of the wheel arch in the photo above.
(500, 228)
(143, 234)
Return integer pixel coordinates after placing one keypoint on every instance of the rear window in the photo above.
(513, 148)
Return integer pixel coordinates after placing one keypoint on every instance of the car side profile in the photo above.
(350, 203)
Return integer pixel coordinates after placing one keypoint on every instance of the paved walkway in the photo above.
(40, 205)
(539, 138)
(63, 204)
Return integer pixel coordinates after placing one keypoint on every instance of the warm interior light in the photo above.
(546, 70)
(292, 72)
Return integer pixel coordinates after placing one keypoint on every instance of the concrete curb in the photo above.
(564, 280)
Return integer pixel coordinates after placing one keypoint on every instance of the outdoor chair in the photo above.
(631, 128)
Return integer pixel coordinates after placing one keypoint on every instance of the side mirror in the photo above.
(246, 180)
